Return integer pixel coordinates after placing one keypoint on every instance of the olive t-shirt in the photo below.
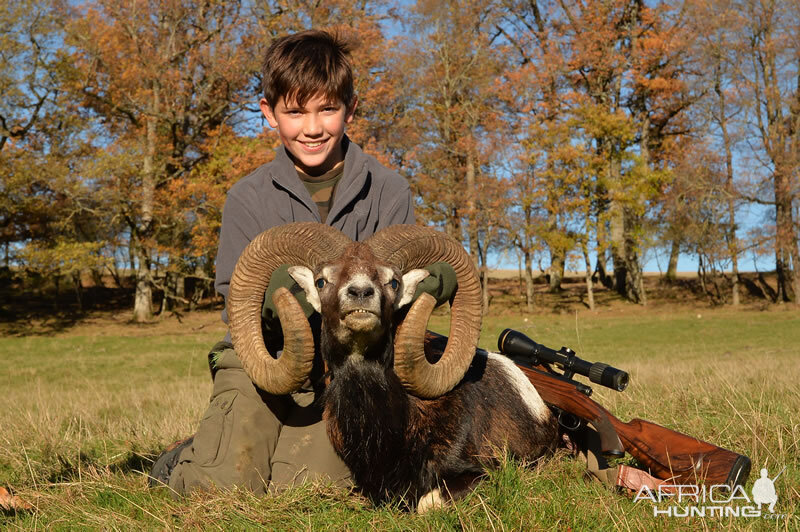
(321, 188)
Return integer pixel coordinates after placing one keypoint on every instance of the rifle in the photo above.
(668, 454)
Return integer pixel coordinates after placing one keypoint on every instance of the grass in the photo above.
(87, 409)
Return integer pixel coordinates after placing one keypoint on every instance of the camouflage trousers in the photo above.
(250, 439)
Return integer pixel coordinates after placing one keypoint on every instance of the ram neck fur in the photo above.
(370, 418)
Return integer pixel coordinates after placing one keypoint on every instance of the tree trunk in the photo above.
(730, 235)
(528, 282)
(617, 235)
(484, 277)
(180, 285)
(199, 287)
(601, 207)
(76, 279)
(785, 233)
(634, 280)
(169, 302)
(557, 264)
(143, 299)
(589, 288)
(701, 274)
(131, 273)
(472, 229)
(483, 251)
(527, 241)
(602, 270)
(672, 265)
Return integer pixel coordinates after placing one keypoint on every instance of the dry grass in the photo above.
(88, 408)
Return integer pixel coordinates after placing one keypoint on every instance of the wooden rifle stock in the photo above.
(669, 455)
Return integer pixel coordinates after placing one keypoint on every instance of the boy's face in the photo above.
(312, 133)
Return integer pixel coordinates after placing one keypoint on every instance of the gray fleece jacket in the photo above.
(368, 198)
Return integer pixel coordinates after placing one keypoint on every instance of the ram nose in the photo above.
(360, 291)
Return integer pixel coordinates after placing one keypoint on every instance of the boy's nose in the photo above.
(312, 126)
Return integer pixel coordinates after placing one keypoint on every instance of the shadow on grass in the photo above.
(43, 312)
(134, 462)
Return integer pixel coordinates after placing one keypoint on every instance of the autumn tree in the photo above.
(162, 75)
(769, 56)
(48, 212)
(715, 26)
(537, 108)
(29, 82)
(194, 203)
(697, 206)
(624, 63)
(451, 120)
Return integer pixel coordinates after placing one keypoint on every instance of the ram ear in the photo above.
(409, 287)
(305, 278)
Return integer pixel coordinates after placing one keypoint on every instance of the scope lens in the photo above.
(620, 381)
(608, 376)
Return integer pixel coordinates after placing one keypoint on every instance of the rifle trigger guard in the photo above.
(568, 421)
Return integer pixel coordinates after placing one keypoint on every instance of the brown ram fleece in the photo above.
(400, 446)
(408, 247)
(307, 244)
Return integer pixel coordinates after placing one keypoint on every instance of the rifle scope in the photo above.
(516, 344)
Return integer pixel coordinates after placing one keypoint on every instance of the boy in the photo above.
(247, 437)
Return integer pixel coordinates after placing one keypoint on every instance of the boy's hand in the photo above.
(441, 283)
(269, 315)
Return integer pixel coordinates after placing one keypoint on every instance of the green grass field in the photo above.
(87, 409)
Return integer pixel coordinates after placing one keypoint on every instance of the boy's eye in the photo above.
(320, 283)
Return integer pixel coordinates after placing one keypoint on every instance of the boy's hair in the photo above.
(300, 66)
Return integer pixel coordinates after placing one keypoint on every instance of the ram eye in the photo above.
(394, 284)
(320, 283)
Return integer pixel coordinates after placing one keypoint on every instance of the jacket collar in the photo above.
(354, 179)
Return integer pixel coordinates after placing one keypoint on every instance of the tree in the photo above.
(30, 74)
(451, 120)
(162, 76)
(770, 59)
(47, 210)
(716, 25)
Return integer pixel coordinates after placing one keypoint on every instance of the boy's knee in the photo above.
(304, 452)
(237, 441)
(234, 442)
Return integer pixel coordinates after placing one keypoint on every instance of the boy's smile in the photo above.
(312, 133)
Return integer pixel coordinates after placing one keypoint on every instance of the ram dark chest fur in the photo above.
(396, 444)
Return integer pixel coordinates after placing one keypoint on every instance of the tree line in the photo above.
(582, 132)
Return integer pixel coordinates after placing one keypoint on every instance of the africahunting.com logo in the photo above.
(691, 500)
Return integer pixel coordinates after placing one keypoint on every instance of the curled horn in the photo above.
(409, 247)
(303, 244)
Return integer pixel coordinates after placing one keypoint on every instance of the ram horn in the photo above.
(409, 247)
(302, 244)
